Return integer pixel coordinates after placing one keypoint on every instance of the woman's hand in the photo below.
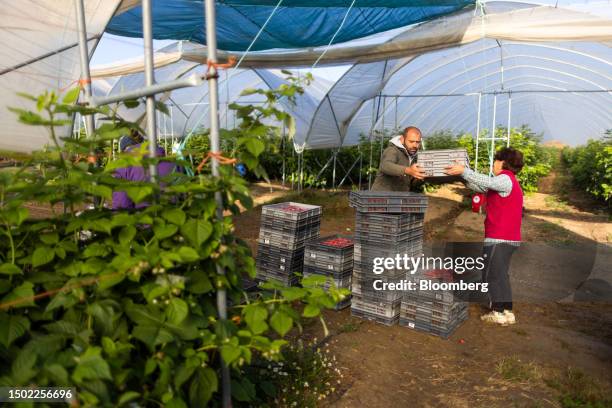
(454, 170)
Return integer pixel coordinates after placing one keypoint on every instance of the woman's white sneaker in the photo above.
(510, 318)
(495, 317)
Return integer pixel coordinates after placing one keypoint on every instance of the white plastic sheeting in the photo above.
(39, 51)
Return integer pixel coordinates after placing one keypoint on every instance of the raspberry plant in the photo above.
(121, 305)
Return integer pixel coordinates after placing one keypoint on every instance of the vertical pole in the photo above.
(84, 59)
(360, 165)
(301, 171)
(292, 173)
(147, 33)
(283, 141)
(395, 122)
(382, 133)
(213, 98)
(492, 152)
(334, 171)
(477, 132)
(509, 117)
(171, 126)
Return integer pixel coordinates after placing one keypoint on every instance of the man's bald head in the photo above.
(411, 139)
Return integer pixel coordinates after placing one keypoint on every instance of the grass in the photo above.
(579, 390)
(513, 369)
(349, 327)
(556, 203)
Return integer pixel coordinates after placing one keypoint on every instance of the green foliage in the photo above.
(591, 167)
(537, 159)
(122, 305)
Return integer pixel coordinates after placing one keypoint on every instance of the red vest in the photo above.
(504, 214)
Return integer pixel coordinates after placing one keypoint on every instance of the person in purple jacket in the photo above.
(136, 173)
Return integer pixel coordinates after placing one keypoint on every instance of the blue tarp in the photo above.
(296, 24)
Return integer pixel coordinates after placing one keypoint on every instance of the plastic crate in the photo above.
(342, 282)
(367, 236)
(289, 263)
(387, 321)
(272, 239)
(321, 271)
(280, 211)
(369, 197)
(300, 231)
(329, 266)
(314, 254)
(372, 295)
(382, 309)
(286, 223)
(434, 162)
(272, 250)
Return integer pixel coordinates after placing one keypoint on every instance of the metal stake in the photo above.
(477, 132)
(147, 32)
(492, 152)
(509, 117)
(213, 97)
(84, 59)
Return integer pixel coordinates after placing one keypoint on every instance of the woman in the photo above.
(502, 227)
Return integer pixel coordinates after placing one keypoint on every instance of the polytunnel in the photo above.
(454, 65)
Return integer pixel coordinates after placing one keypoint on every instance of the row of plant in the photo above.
(122, 305)
(590, 166)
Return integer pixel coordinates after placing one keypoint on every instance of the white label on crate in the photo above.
(282, 267)
(330, 267)
(282, 260)
(266, 241)
(411, 325)
(313, 255)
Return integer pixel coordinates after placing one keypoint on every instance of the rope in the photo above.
(217, 156)
(334, 36)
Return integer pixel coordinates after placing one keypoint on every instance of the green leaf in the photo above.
(255, 317)
(254, 146)
(138, 193)
(22, 296)
(22, 369)
(58, 373)
(198, 282)
(42, 255)
(160, 106)
(202, 387)
(183, 374)
(71, 96)
(188, 254)
(6, 285)
(127, 234)
(50, 238)
(311, 311)
(229, 353)
(281, 322)
(131, 103)
(196, 231)
(176, 402)
(164, 231)
(12, 327)
(9, 269)
(175, 216)
(177, 311)
(128, 397)
(152, 336)
(91, 366)
(243, 390)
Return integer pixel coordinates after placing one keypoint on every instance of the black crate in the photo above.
(367, 236)
(271, 250)
(329, 266)
(387, 321)
(327, 272)
(402, 198)
(293, 224)
(278, 211)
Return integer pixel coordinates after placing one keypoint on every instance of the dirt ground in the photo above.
(559, 353)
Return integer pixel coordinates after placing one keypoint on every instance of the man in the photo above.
(398, 169)
(136, 173)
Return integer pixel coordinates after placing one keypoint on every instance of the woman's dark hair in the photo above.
(512, 158)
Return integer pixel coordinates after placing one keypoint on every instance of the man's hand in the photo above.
(415, 171)
(455, 170)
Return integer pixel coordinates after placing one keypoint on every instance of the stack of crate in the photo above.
(331, 257)
(285, 228)
(435, 312)
(434, 162)
(386, 224)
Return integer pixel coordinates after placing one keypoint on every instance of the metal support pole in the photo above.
(292, 173)
(334, 171)
(301, 165)
(360, 165)
(509, 117)
(492, 152)
(213, 97)
(147, 33)
(84, 59)
(283, 141)
(477, 132)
